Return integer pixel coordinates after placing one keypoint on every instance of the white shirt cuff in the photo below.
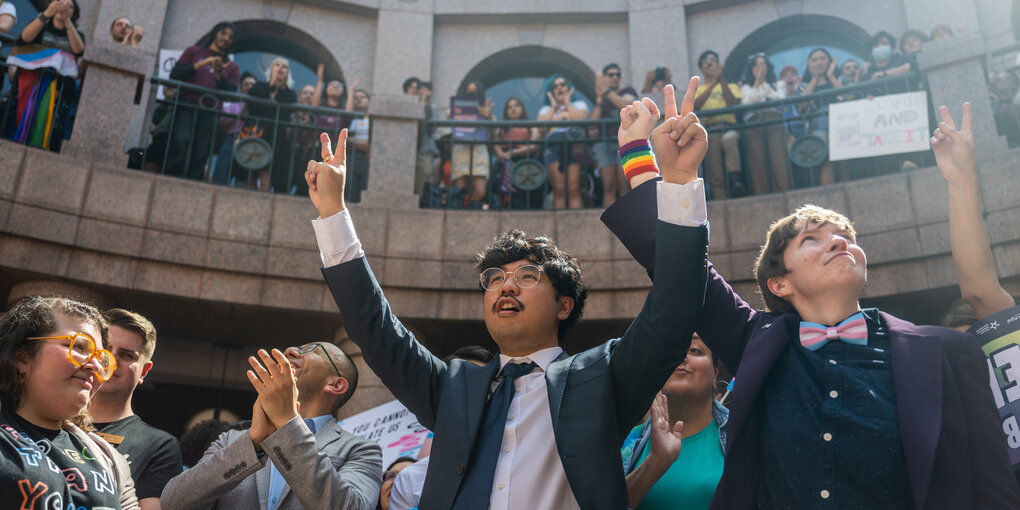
(682, 204)
(338, 242)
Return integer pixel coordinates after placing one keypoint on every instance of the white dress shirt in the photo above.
(529, 474)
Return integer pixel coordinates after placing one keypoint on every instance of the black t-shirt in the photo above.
(46, 469)
(154, 455)
(52, 37)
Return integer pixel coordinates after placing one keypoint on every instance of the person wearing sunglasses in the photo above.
(535, 427)
(52, 362)
(610, 96)
(294, 456)
(562, 104)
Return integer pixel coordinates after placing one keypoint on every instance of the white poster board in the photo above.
(392, 426)
(167, 60)
(892, 124)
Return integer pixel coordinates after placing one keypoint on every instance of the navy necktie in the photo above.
(477, 484)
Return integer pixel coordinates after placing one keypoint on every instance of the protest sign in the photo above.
(893, 124)
(466, 108)
(167, 61)
(999, 336)
(392, 426)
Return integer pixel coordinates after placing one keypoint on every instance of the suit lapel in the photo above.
(763, 348)
(329, 433)
(917, 374)
(262, 485)
(556, 382)
(477, 383)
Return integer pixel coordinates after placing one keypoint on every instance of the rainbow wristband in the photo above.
(637, 158)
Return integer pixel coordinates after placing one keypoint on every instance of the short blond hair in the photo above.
(770, 260)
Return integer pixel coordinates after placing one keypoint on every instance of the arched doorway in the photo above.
(521, 72)
(261, 40)
(788, 41)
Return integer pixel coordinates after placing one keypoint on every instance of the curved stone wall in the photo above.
(87, 221)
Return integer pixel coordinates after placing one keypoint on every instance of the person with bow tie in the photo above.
(834, 405)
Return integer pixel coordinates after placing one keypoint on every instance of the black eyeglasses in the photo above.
(559, 84)
(613, 75)
(305, 349)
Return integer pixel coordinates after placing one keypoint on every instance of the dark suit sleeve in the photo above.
(994, 485)
(406, 367)
(658, 339)
(728, 320)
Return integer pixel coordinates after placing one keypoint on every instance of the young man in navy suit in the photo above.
(534, 428)
(832, 405)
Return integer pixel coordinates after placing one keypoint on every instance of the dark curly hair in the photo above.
(563, 270)
(35, 316)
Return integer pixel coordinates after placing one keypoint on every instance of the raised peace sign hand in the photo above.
(681, 141)
(954, 149)
(326, 178)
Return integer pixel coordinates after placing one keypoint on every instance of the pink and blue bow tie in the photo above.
(854, 330)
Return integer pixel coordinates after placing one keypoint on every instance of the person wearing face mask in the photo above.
(885, 61)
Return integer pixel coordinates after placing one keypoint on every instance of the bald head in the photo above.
(348, 370)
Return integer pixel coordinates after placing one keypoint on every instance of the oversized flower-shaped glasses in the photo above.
(82, 350)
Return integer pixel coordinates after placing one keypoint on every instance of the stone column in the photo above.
(57, 288)
(394, 123)
(954, 74)
(658, 37)
(104, 111)
(403, 44)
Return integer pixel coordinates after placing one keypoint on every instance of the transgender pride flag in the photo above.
(63, 62)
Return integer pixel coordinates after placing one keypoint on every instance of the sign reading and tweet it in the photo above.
(893, 124)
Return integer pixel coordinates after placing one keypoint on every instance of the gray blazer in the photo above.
(334, 469)
(595, 396)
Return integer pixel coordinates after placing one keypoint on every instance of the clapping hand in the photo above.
(681, 141)
(954, 149)
(326, 178)
(277, 388)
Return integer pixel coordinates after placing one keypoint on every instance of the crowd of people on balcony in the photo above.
(634, 422)
(748, 151)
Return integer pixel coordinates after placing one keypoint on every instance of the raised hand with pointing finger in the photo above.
(326, 178)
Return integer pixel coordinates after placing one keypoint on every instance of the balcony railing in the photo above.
(773, 140)
(233, 139)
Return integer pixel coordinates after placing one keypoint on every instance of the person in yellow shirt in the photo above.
(714, 92)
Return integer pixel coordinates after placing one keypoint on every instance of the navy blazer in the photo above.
(949, 426)
(595, 396)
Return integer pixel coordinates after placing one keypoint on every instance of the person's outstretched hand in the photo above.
(326, 178)
(665, 438)
(954, 149)
(681, 141)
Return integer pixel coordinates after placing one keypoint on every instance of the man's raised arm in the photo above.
(407, 368)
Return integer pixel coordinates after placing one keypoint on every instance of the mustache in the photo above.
(495, 306)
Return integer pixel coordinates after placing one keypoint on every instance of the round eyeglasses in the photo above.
(526, 276)
(82, 350)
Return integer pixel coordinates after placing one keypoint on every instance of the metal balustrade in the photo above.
(782, 146)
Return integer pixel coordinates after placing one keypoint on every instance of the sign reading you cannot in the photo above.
(392, 426)
(892, 124)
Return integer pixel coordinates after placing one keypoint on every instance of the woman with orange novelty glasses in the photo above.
(51, 363)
